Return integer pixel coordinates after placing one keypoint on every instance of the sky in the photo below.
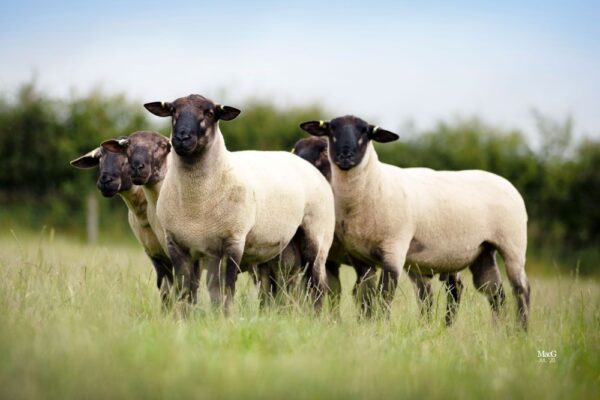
(388, 62)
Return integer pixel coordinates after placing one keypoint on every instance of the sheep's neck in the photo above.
(135, 200)
(151, 191)
(358, 183)
(203, 175)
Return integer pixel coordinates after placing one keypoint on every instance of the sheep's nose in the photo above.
(346, 154)
(137, 165)
(105, 179)
(183, 134)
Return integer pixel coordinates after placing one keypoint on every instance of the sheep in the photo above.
(114, 178)
(244, 207)
(314, 150)
(432, 221)
(147, 153)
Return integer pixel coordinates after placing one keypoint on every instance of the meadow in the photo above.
(82, 321)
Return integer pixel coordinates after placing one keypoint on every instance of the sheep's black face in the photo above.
(146, 152)
(314, 150)
(114, 174)
(194, 121)
(114, 170)
(348, 137)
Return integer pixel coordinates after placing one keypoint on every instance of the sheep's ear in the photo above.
(226, 113)
(166, 144)
(116, 145)
(381, 135)
(316, 128)
(160, 108)
(89, 160)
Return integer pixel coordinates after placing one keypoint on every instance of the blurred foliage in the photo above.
(261, 126)
(39, 135)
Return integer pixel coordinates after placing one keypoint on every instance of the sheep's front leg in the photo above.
(335, 287)
(392, 264)
(164, 279)
(213, 280)
(233, 255)
(423, 291)
(265, 282)
(229, 264)
(195, 280)
(183, 267)
(365, 289)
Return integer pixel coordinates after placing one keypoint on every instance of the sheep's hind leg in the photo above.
(514, 261)
(454, 288)
(423, 291)
(486, 278)
(313, 257)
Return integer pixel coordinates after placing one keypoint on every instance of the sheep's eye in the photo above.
(209, 114)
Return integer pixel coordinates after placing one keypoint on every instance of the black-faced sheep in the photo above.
(432, 221)
(237, 206)
(314, 150)
(147, 153)
(114, 178)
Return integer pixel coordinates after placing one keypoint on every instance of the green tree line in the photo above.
(40, 134)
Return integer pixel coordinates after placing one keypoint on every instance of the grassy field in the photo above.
(85, 322)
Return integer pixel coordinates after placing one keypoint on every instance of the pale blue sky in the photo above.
(386, 61)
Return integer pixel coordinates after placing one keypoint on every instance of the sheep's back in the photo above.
(463, 193)
(455, 212)
(280, 173)
(286, 188)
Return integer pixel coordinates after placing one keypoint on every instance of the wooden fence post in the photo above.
(92, 217)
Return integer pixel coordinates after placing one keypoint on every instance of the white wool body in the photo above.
(258, 198)
(437, 221)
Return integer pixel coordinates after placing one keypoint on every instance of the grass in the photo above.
(80, 321)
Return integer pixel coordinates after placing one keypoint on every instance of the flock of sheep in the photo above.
(274, 214)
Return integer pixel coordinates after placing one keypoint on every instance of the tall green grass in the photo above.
(85, 322)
